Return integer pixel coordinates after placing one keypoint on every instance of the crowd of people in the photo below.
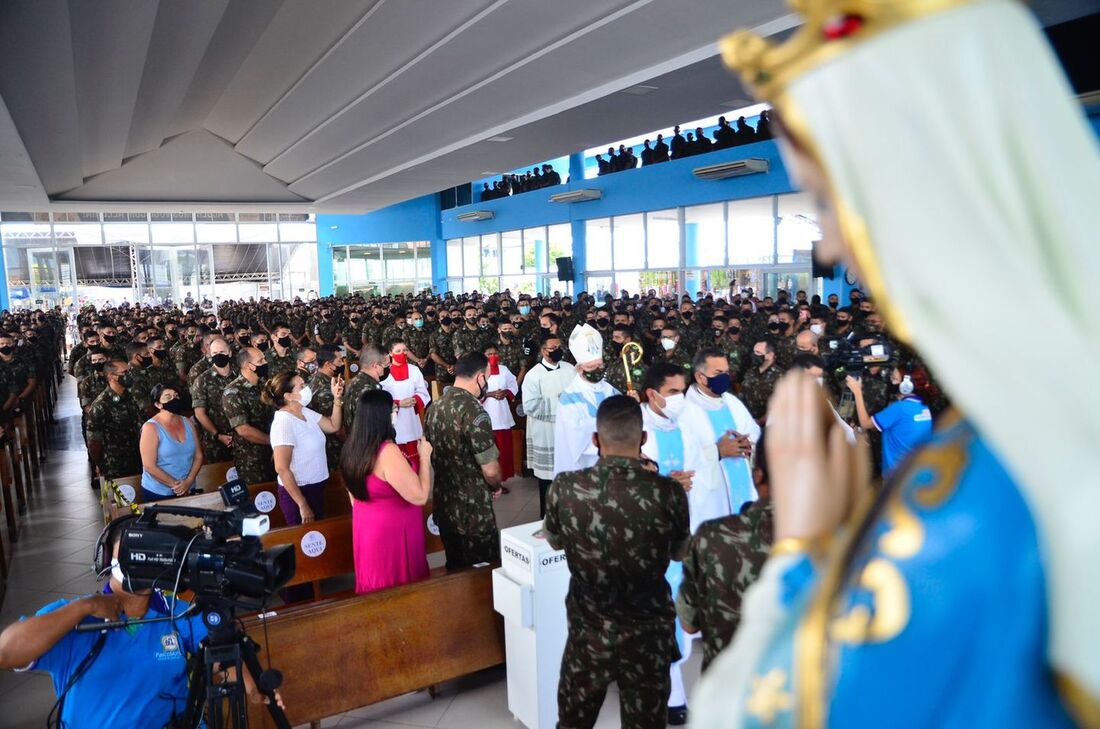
(678, 147)
(295, 392)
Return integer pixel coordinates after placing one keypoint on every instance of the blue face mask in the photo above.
(524, 310)
(719, 384)
(418, 323)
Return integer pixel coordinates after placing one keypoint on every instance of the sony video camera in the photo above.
(840, 353)
(222, 557)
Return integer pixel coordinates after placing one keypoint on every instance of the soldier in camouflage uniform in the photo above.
(22, 365)
(418, 344)
(89, 341)
(396, 331)
(141, 376)
(465, 450)
(372, 370)
(619, 524)
(300, 329)
(679, 355)
(250, 419)
(468, 338)
(207, 398)
(352, 335)
(163, 372)
(760, 379)
(187, 352)
(114, 426)
(330, 366)
(442, 350)
(282, 356)
(723, 560)
(325, 330)
(510, 349)
(615, 368)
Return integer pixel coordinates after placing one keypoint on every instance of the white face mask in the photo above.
(817, 329)
(674, 405)
(306, 395)
(821, 381)
(668, 343)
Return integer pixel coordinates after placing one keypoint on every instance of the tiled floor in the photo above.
(53, 559)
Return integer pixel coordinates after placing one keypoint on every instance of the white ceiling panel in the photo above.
(243, 23)
(110, 40)
(390, 35)
(20, 188)
(38, 86)
(451, 70)
(297, 36)
(196, 166)
(181, 35)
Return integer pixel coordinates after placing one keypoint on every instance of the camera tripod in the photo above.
(225, 647)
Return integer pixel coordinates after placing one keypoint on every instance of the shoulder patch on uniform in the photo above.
(482, 417)
(230, 391)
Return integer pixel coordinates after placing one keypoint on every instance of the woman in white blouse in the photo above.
(409, 391)
(298, 442)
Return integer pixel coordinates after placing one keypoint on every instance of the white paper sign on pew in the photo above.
(313, 544)
(265, 502)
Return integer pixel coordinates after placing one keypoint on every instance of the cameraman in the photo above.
(86, 666)
(905, 423)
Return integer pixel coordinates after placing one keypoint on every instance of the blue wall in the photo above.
(416, 219)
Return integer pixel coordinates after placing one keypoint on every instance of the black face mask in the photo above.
(555, 355)
(687, 315)
(145, 361)
(159, 353)
(602, 323)
(841, 323)
(173, 406)
(617, 348)
(261, 370)
(262, 346)
(108, 338)
(97, 366)
(284, 342)
(445, 321)
(593, 375)
(506, 337)
(221, 359)
(7, 350)
(171, 334)
(125, 380)
(757, 359)
(775, 326)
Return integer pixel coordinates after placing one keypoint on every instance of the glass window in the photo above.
(535, 254)
(705, 235)
(490, 256)
(599, 285)
(629, 238)
(663, 282)
(597, 253)
(80, 235)
(518, 284)
(454, 257)
(511, 252)
(424, 262)
(398, 261)
(216, 232)
(258, 232)
(167, 233)
(663, 238)
(797, 229)
(751, 231)
(298, 231)
(130, 233)
(470, 284)
(561, 244)
(365, 268)
(471, 257)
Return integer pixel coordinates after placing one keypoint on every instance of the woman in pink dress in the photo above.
(386, 496)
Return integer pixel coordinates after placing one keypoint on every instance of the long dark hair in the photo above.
(373, 426)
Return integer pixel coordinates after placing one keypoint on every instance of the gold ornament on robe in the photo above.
(631, 355)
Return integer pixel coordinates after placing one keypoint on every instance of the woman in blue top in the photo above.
(170, 452)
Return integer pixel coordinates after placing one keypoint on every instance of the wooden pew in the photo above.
(209, 478)
(9, 495)
(342, 654)
(336, 560)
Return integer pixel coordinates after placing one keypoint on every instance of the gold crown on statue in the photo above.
(831, 27)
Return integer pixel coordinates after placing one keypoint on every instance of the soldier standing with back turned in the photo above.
(619, 525)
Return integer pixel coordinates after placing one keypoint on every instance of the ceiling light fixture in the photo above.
(499, 139)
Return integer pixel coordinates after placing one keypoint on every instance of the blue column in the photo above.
(579, 266)
(5, 304)
(439, 265)
(691, 258)
(324, 266)
(576, 171)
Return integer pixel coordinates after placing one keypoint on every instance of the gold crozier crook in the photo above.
(632, 355)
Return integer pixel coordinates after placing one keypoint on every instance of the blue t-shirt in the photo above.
(905, 424)
(139, 678)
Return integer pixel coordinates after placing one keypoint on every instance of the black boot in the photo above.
(95, 483)
(677, 715)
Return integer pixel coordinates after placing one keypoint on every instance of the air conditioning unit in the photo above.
(576, 196)
(475, 215)
(749, 166)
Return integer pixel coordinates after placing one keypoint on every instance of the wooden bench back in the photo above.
(339, 655)
(336, 559)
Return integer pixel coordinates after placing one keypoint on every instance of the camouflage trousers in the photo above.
(466, 550)
(637, 659)
(254, 463)
(214, 451)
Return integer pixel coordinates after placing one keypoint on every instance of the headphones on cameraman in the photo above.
(103, 561)
(906, 386)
